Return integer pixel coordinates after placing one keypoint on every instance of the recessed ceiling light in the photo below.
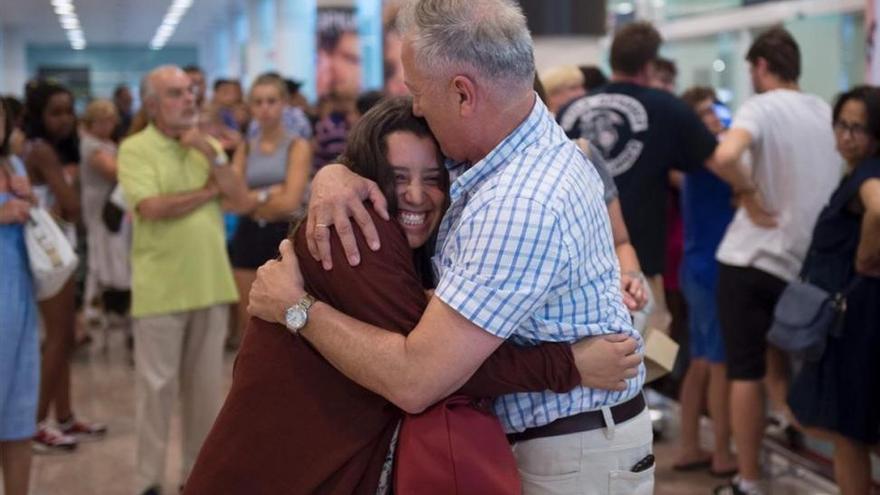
(624, 8)
(172, 18)
(69, 21)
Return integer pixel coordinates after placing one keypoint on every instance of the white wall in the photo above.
(13, 69)
(551, 51)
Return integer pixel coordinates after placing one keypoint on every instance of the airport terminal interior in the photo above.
(598, 247)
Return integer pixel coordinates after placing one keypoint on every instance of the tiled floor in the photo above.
(103, 391)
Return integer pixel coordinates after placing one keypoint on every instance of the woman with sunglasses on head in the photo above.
(276, 166)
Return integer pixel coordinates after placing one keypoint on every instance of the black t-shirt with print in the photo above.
(642, 133)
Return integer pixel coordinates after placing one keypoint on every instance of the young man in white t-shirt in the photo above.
(794, 171)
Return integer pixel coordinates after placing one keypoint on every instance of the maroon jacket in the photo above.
(293, 424)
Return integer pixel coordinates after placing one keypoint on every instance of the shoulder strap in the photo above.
(851, 285)
(16, 165)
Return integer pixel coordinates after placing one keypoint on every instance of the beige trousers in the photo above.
(597, 462)
(176, 352)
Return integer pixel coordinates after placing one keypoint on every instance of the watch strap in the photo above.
(307, 301)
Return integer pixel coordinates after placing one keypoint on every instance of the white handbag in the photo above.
(52, 258)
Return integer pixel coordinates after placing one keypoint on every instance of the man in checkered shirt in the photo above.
(524, 252)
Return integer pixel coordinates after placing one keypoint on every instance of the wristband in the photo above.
(220, 160)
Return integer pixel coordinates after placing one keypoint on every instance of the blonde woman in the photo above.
(109, 274)
(276, 167)
(563, 84)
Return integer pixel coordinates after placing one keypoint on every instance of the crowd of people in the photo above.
(494, 235)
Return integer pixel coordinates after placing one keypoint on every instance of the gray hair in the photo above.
(487, 36)
(148, 83)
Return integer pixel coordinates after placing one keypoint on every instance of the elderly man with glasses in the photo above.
(174, 178)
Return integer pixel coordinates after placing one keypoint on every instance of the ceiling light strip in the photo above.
(66, 13)
(169, 23)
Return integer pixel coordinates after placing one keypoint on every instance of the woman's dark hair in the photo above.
(7, 127)
(593, 77)
(37, 97)
(698, 94)
(366, 154)
(665, 65)
(870, 97)
(538, 86)
(368, 100)
(15, 108)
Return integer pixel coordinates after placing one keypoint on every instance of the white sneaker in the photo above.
(50, 440)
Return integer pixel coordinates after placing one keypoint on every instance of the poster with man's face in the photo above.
(339, 53)
(391, 47)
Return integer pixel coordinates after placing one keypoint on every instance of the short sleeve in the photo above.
(610, 189)
(695, 143)
(216, 146)
(501, 262)
(298, 124)
(136, 175)
(748, 118)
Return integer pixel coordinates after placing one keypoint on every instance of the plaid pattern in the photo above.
(525, 252)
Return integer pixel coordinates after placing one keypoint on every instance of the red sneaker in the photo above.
(82, 429)
(49, 440)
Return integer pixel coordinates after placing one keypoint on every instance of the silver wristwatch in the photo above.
(296, 316)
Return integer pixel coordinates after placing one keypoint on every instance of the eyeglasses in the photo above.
(855, 131)
(179, 92)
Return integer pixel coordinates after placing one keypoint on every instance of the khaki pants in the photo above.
(596, 462)
(177, 351)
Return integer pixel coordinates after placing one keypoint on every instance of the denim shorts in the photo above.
(705, 331)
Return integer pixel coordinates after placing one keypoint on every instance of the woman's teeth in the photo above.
(410, 218)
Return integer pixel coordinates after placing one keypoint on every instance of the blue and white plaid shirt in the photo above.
(525, 252)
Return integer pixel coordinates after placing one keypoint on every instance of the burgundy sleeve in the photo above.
(512, 368)
(384, 290)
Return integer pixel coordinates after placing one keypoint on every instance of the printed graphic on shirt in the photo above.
(612, 122)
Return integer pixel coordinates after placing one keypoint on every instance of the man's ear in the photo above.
(761, 65)
(465, 90)
(151, 105)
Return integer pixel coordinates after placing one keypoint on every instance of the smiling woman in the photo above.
(418, 179)
(404, 158)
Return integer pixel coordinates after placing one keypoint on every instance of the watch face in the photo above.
(296, 317)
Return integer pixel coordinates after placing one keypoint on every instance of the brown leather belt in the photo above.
(590, 420)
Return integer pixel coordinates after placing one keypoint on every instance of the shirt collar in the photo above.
(535, 125)
(160, 137)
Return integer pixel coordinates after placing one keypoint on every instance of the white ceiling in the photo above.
(113, 21)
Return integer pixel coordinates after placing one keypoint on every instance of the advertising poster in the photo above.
(338, 68)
